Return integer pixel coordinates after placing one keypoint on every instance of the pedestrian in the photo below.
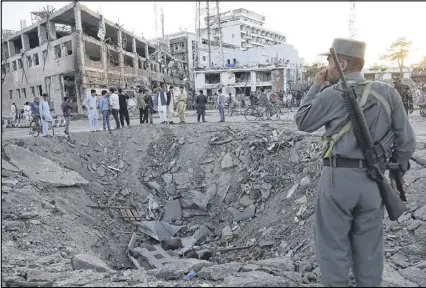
(161, 102)
(170, 105)
(141, 105)
(104, 108)
(201, 106)
(13, 112)
(350, 211)
(231, 104)
(44, 112)
(181, 106)
(405, 93)
(264, 102)
(27, 111)
(221, 99)
(124, 113)
(91, 105)
(66, 107)
(114, 103)
(149, 111)
(35, 108)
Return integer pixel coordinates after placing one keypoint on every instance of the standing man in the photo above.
(350, 210)
(91, 105)
(104, 107)
(13, 111)
(170, 104)
(201, 106)
(161, 101)
(221, 98)
(264, 102)
(45, 115)
(124, 113)
(149, 108)
(181, 106)
(405, 92)
(141, 105)
(66, 111)
(115, 107)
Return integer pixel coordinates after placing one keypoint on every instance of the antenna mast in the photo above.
(352, 20)
(162, 22)
(208, 34)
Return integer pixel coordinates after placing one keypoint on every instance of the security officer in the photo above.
(405, 92)
(350, 211)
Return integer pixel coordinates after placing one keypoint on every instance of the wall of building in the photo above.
(38, 75)
(230, 83)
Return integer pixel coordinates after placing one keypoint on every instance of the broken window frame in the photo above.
(36, 59)
(19, 93)
(24, 92)
(14, 65)
(40, 90)
(32, 89)
(19, 61)
(29, 61)
(11, 94)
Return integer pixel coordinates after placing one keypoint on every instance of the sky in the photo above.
(310, 26)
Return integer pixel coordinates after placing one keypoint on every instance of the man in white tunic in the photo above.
(161, 103)
(45, 115)
(91, 105)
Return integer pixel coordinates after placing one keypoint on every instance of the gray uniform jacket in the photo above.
(201, 101)
(326, 108)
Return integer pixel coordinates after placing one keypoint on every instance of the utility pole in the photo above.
(208, 34)
(162, 22)
(352, 16)
(220, 34)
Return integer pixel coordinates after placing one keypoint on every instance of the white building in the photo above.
(244, 28)
(241, 80)
(385, 74)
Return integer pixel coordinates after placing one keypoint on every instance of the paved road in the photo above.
(83, 125)
(418, 123)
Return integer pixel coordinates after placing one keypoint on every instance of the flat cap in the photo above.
(348, 47)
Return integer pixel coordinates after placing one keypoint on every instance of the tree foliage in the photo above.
(377, 67)
(312, 70)
(398, 51)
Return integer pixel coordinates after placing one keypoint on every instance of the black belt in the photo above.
(345, 163)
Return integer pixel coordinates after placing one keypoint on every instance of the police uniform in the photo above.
(349, 213)
(406, 95)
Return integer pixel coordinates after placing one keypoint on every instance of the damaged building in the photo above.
(241, 80)
(72, 50)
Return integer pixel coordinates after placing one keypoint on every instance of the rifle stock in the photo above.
(393, 202)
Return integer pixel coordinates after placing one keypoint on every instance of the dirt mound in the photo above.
(227, 187)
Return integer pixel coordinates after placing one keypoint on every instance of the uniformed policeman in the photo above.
(349, 213)
(405, 92)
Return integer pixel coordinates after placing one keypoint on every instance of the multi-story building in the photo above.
(241, 80)
(71, 51)
(244, 28)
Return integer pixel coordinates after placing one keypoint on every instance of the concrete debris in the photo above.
(227, 162)
(420, 213)
(265, 189)
(181, 180)
(158, 230)
(282, 263)
(247, 213)
(85, 261)
(246, 200)
(414, 274)
(305, 181)
(219, 272)
(292, 190)
(201, 234)
(155, 186)
(301, 200)
(172, 244)
(100, 170)
(172, 211)
(227, 234)
(7, 166)
(255, 279)
(196, 200)
(151, 257)
(176, 269)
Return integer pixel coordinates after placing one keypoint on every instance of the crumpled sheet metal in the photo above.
(158, 230)
(192, 199)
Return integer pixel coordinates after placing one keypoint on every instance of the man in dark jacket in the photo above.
(66, 111)
(201, 106)
(149, 110)
(124, 113)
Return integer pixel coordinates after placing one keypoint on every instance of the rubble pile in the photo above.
(216, 205)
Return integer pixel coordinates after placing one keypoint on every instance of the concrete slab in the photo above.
(154, 256)
(172, 212)
(41, 169)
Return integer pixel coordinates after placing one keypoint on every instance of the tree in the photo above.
(398, 52)
(377, 67)
(312, 70)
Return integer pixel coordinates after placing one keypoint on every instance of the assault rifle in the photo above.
(394, 203)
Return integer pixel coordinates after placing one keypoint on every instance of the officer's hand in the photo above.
(320, 77)
(404, 185)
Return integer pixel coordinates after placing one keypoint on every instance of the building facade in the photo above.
(91, 52)
(241, 80)
(244, 28)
